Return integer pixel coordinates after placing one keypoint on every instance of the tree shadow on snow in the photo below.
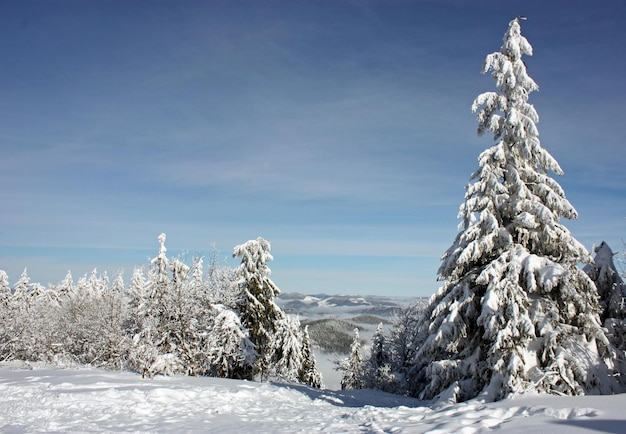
(355, 398)
(600, 425)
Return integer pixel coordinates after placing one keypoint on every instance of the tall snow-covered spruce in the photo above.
(282, 349)
(257, 309)
(515, 312)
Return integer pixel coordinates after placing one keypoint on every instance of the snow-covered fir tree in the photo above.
(352, 367)
(400, 349)
(197, 317)
(286, 352)
(137, 293)
(172, 316)
(222, 282)
(257, 309)
(230, 352)
(154, 349)
(515, 312)
(21, 291)
(7, 334)
(18, 324)
(114, 318)
(611, 287)
(5, 288)
(66, 287)
(612, 291)
(377, 372)
(181, 318)
(309, 374)
(5, 293)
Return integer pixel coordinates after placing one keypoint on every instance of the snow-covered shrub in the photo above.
(167, 322)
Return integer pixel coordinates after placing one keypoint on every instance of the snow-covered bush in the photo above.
(67, 323)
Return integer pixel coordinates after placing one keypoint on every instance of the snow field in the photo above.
(51, 399)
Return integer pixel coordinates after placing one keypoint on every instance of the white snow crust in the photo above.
(53, 399)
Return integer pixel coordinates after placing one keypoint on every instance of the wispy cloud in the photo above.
(340, 129)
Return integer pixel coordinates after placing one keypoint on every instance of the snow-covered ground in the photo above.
(52, 399)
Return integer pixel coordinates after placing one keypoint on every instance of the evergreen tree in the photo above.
(7, 324)
(199, 314)
(309, 374)
(352, 376)
(402, 339)
(180, 322)
(5, 289)
(286, 351)
(378, 356)
(257, 310)
(515, 312)
(230, 352)
(158, 281)
(197, 273)
(609, 283)
(612, 291)
(377, 374)
(154, 348)
(66, 287)
(222, 282)
(19, 320)
(137, 295)
(21, 291)
(114, 317)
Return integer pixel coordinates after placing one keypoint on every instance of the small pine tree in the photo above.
(377, 373)
(612, 291)
(7, 334)
(5, 289)
(114, 317)
(352, 377)
(286, 357)
(66, 288)
(21, 291)
(154, 347)
(609, 283)
(230, 352)
(402, 338)
(378, 356)
(309, 374)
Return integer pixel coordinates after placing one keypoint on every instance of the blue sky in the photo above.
(338, 130)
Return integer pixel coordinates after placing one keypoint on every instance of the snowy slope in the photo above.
(47, 399)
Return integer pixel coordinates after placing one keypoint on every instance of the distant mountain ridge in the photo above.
(313, 305)
(332, 318)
